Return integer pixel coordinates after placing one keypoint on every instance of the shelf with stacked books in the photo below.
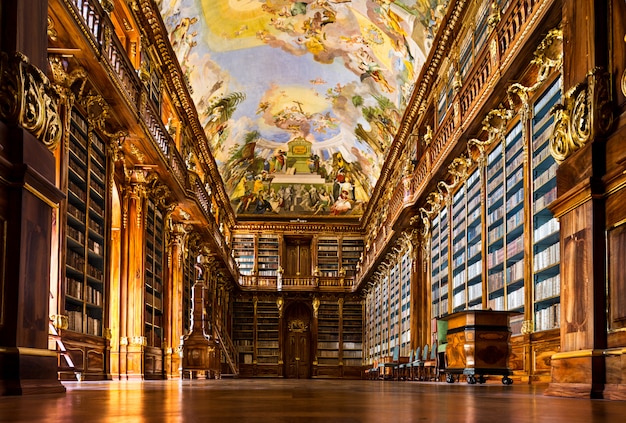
(84, 228)
(351, 250)
(268, 256)
(243, 329)
(328, 257)
(352, 333)
(153, 300)
(546, 230)
(267, 319)
(328, 333)
(439, 264)
(406, 265)
(243, 252)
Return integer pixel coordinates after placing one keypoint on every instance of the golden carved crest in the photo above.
(585, 113)
(297, 325)
(28, 99)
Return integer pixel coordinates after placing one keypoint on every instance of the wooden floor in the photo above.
(282, 400)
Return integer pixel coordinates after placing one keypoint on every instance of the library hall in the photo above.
(312, 210)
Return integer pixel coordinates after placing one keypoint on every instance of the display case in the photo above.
(478, 344)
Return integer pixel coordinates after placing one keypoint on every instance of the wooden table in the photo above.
(478, 345)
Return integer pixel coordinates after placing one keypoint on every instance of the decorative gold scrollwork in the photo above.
(28, 99)
(586, 112)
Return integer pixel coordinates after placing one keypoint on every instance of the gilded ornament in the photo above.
(585, 113)
(28, 99)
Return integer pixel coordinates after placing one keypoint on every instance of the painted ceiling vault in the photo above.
(300, 99)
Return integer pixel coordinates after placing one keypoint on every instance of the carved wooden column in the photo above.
(30, 127)
(579, 143)
(174, 300)
(132, 339)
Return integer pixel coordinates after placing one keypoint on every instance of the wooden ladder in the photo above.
(53, 334)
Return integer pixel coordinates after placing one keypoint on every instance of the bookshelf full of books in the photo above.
(243, 253)
(243, 329)
(351, 250)
(405, 303)
(85, 223)
(352, 333)
(328, 257)
(546, 269)
(328, 333)
(267, 260)
(439, 264)
(394, 305)
(153, 294)
(267, 348)
(467, 244)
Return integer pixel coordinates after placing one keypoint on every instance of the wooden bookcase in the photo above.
(328, 333)
(243, 253)
(510, 223)
(153, 316)
(439, 264)
(328, 257)
(352, 333)
(189, 278)
(243, 329)
(268, 255)
(267, 332)
(85, 222)
(405, 304)
(546, 268)
(467, 245)
(351, 250)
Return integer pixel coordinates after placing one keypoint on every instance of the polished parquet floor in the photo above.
(282, 400)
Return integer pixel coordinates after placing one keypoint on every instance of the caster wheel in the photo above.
(449, 378)
(471, 380)
(481, 379)
(507, 380)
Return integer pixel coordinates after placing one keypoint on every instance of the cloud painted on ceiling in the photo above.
(300, 99)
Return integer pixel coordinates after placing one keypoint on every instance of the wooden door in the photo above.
(298, 342)
(298, 258)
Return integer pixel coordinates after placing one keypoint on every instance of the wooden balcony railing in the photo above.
(296, 283)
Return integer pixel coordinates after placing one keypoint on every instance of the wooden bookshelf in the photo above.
(153, 299)
(546, 268)
(351, 250)
(352, 333)
(328, 257)
(328, 333)
(84, 228)
(439, 264)
(268, 255)
(243, 253)
(243, 329)
(267, 332)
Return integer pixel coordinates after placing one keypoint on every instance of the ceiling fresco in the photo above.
(300, 99)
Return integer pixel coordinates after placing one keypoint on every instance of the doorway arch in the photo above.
(297, 336)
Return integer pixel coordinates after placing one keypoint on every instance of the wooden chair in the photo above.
(414, 365)
(391, 365)
(403, 368)
(430, 365)
(420, 372)
(372, 372)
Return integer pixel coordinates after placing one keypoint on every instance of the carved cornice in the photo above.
(149, 16)
(586, 113)
(28, 99)
(300, 228)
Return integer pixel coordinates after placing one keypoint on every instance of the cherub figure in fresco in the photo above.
(370, 68)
